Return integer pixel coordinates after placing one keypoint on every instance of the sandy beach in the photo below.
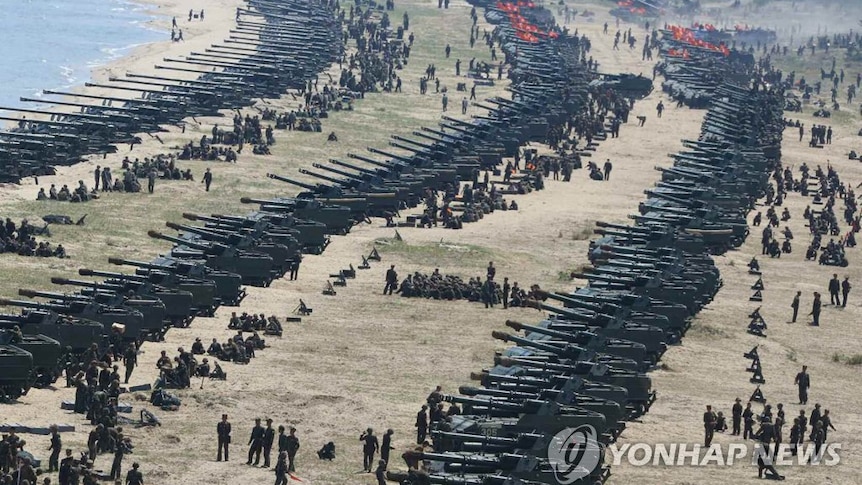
(363, 359)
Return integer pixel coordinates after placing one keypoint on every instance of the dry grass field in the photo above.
(363, 359)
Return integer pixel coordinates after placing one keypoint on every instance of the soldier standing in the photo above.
(391, 280)
(255, 442)
(815, 310)
(281, 467)
(445, 102)
(845, 290)
(464, 104)
(795, 305)
(268, 438)
(223, 430)
(369, 448)
(130, 359)
(421, 424)
(134, 476)
(803, 383)
(380, 473)
(97, 174)
(708, 425)
(737, 416)
(386, 446)
(659, 108)
(56, 446)
(748, 418)
(292, 448)
(506, 289)
(608, 167)
(208, 179)
(151, 180)
(834, 287)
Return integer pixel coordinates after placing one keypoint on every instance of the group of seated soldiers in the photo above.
(438, 286)
(207, 151)
(19, 240)
(255, 323)
(177, 373)
(236, 349)
(165, 166)
(80, 194)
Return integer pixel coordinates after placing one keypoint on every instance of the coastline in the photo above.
(141, 59)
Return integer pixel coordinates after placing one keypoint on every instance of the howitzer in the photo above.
(74, 334)
(153, 311)
(178, 304)
(229, 290)
(202, 292)
(560, 353)
(45, 352)
(131, 320)
(281, 255)
(253, 267)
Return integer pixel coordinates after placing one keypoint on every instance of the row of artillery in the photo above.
(693, 72)
(548, 407)
(210, 264)
(275, 46)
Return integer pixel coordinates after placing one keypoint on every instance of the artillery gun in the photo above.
(16, 372)
(74, 335)
(228, 285)
(45, 353)
(253, 267)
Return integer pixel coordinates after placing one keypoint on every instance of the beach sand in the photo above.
(362, 359)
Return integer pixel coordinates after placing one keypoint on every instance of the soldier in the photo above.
(386, 445)
(223, 430)
(845, 290)
(134, 477)
(795, 306)
(834, 288)
(64, 476)
(151, 180)
(380, 473)
(736, 416)
(421, 425)
(292, 443)
(708, 425)
(464, 104)
(56, 446)
(281, 467)
(208, 179)
(659, 108)
(97, 174)
(391, 280)
(803, 382)
(369, 448)
(268, 438)
(826, 423)
(445, 102)
(607, 168)
(815, 310)
(506, 289)
(748, 418)
(255, 442)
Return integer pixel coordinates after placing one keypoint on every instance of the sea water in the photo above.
(54, 44)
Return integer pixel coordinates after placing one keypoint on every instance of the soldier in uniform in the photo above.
(208, 179)
(708, 425)
(845, 290)
(223, 430)
(421, 424)
(369, 448)
(736, 416)
(380, 472)
(268, 438)
(292, 443)
(748, 418)
(134, 476)
(281, 467)
(803, 382)
(815, 310)
(56, 446)
(795, 305)
(834, 288)
(391, 280)
(386, 446)
(255, 442)
(130, 359)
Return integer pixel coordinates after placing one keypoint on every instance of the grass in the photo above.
(851, 360)
(439, 254)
